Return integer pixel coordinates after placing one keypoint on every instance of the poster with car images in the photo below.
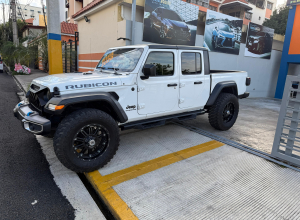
(222, 33)
(170, 22)
(259, 41)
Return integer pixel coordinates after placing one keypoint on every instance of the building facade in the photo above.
(25, 12)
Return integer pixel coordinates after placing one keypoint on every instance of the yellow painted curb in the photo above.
(103, 184)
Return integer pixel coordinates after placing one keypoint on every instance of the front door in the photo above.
(159, 93)
(194, 85)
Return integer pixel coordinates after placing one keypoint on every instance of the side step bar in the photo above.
(154, 122)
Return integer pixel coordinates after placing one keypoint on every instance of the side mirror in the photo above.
(148, 70)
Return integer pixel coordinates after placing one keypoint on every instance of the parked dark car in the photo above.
(260, 43)
(223, 36)
(169, 24)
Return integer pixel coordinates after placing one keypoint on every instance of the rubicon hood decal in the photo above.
(72, 81)
(90, 85)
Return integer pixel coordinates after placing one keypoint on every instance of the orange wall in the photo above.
(295, 45)
(67, 38)
(246, 21)
(87, 62)
(268, 13)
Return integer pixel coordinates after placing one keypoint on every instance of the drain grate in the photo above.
(237, 145)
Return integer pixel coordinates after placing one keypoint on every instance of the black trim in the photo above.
(245, 95)
(162, 46)
(71, 99)
(248, 81)
(33, 118)
(218, 89)
(153, 122)
(206, 63)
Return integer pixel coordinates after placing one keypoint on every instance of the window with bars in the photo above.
(235, 14)
(270, 5)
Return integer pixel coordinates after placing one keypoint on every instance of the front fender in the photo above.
(71, 99)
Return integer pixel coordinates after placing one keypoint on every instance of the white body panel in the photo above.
(150, 98)
(237, 77)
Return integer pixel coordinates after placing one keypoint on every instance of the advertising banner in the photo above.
(292, 2)
(222, 33)
(170, 22)
(259, 41)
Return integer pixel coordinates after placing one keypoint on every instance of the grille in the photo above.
(228, 42)
(34, 101)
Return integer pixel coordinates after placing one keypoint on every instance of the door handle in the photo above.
(170, 85)
(199, 82)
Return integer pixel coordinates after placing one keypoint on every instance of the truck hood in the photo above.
(71, 81)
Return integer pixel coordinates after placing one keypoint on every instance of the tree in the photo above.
(278, 20)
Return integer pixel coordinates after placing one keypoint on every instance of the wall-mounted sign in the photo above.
(222, 33)
(259, 41)
(292, 2)
(170, 22)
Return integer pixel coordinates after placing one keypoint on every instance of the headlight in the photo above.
(55, 107)
(256, 41)
(221, 36)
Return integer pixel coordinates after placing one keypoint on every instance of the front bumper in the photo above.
(31, 120)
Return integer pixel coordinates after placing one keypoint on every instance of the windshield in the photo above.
(124, 60)
(171, 15)
(224, 27)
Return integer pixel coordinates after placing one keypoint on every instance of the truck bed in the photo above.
(239, 77)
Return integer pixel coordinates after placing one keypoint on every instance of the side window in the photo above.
(164, 62)
(191, 63)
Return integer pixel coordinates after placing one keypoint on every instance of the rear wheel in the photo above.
(86, 140)
(223, 113)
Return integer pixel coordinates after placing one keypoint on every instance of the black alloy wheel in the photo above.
(228, 112)
(86, 140)
(223, 113)
(90, 142)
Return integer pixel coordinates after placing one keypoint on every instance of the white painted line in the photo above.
(70, 184)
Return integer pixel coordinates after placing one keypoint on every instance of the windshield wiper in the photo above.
(115, 70)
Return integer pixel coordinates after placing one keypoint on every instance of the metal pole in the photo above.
(14, 22)
(4, 35)
(66, 57)
(71, 60)
(133, 12)
(54, 37)
(76, 52)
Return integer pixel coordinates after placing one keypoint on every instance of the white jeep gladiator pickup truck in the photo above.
(139, 86)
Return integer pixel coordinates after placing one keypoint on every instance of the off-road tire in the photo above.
(64, 135)
(215, 114)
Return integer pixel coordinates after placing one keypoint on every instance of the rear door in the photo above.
(194, 86)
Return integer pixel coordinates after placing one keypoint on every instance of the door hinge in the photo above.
(141, 106)
(181, 100)
(141, 88)
(181, 85)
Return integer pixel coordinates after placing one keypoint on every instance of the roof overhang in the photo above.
(97, 8)
(236, 4)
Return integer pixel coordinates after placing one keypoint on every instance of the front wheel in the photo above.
(223, 113)
(86, 140)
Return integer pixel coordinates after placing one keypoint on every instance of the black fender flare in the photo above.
(71, 99)
(218, 89)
